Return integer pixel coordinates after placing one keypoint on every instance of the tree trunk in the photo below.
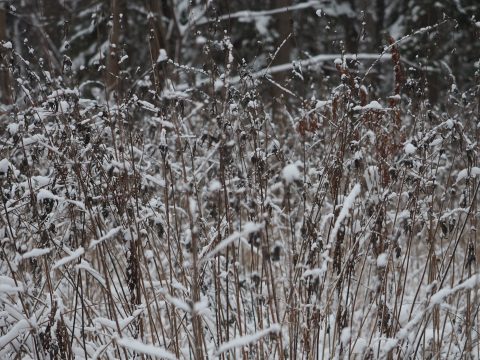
(5, 81)
(351, 33)
(156, 35)
(113, 69)
(283, 26)
(52, 15)
(379, 21)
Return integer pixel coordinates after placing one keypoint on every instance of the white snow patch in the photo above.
(146, 349)
(347, 205)
(449, 124)
(9, 289)
(382, 260)
(122, 59)
(291, 173)
(155, 180)
(475, 171)
(8, 45)
(373, 105)
(4, 166)
(41, 181)
(440, 295)
(46, 194)
(36, 253)
(359, 346)
(33, 139)
(372, 176)
(321, 104)
(389, 345)
(13, 128)
(248, 228)
(162, 56)
(74, 255)
(345, 336)
(111, 233)
(410, 149)
(15, 332)
(247, 339)
(214, 185)
(200, 40)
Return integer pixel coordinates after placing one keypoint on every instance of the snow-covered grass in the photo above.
(206, 224)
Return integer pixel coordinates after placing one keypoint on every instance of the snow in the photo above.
(148, 106)
(382, 260)
(122, 323)
(347, 205)
(84, 265)
(436, 142)
(320, 104)
(123, 58)
(200, 40)
(62, 93)
(4, 166)
(449, 124)
(14, 332)
(36, 253)
(410, 149)
(314, 272)
(372, 176)
(41, 181)
(214, 185)
(155, 180)
(133, 172)
(33, 139)
(248, 228)
(395, 97)
(10, 290)
(389, 345)
(247, 339)
(44, 194)
(8, 45)
(73, 256)
(345, 335)
(143, 348)
(111, 233)
(178, 303)
(373, 105)
(474, 171)
(440, 295)
(162, 56)
(359, 346)
(12, 128)
(291, 173)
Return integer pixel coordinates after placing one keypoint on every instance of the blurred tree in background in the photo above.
(124, 41)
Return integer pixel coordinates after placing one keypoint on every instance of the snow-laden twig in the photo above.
(111, 233)
(247, 339)
(146, 349)
(249, 14)
(73, 255)
(347, 205)
(15, 332)
(289, 66)
(247, 229)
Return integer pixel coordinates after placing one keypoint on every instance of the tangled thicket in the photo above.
(207, 218)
